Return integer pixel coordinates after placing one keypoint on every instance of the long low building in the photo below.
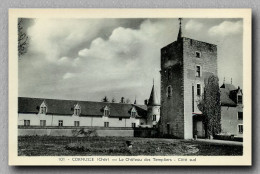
(54, 112)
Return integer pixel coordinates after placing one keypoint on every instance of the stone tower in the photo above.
(153, 108)
(185, 64)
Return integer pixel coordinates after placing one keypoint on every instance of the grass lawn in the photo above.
(116, 146)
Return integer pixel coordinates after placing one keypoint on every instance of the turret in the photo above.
(153, 109)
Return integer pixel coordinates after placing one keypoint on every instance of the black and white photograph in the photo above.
(153, 90)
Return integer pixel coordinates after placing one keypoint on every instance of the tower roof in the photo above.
(180, 31)
(153, 99)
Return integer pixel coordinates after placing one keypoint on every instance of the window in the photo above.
(133, 113)
(42, 122)
(60, 123)
(77, 110)
(169, 74)
(192, 98)
(120, 118)
(240, 115)
(169, 91)
(239, 99)
(26, 122)
(240, 128)
(154, 126)
(106, 124)
(198, 54)
(154, 117)
(106, 111)
(198, 89)
(142, 123)
(197, 71)
(76, 123)
(133, 124)
(43, 108)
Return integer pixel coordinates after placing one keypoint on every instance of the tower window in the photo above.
(169, 74)
(198, 54)
(133, 125)
(239, 99)
(198, 89)
(154, 117)
(197, 71)
(240, 128)
(169, 91)
(240, 115)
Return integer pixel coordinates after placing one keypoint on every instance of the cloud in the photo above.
(226, 28)
(86, 59)
(121, 62)
(193, 25)
(68, 75)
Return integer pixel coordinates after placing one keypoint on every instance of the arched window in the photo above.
(77, 110)
(169, 91)
(43, 108)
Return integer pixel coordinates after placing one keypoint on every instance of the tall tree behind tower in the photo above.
(210, 106)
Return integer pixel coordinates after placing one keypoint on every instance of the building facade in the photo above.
(231, 110)
(72, 113)
(185, 64)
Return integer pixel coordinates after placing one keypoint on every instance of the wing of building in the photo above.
(54, 112)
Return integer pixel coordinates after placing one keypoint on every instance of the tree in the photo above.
(23, 39)
(210, 106)
(128, 101)
(105, 99)
(122, 100)
(113, 100)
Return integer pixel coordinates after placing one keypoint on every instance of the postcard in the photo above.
(130, 87)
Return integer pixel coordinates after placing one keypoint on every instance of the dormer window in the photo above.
(77, 110)
(106, 111)
(133, 112)
(43, 108)
(239, 99)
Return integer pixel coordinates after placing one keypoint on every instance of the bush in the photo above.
(85, 133)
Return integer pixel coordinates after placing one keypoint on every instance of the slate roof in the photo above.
(153, 101)
(88, 108)
(228, 93)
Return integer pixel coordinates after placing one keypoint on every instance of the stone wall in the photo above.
(208, 64)
(68, 131)
(172, 74)
(230, 121)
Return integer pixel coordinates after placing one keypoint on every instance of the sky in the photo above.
(87, 59)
